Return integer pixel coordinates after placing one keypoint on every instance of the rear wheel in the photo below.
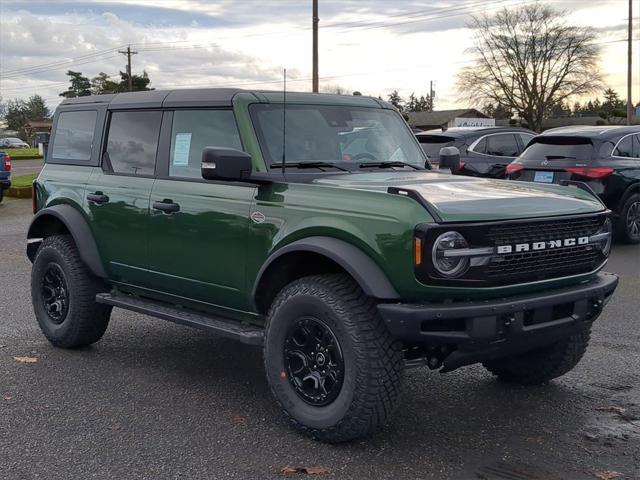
(544, 364)
(63, 292)
(330, 360)
(628, 224)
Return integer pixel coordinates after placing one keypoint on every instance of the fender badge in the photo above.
(257, 217)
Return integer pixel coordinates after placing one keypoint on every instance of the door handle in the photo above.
(98, 198)
(166, 206)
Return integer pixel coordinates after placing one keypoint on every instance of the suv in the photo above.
(5, 173)
(607, 159)
(262, 220)
(484, 151)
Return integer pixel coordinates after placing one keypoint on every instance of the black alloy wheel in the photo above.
(633, 220)
(55, 293)
(313, 360)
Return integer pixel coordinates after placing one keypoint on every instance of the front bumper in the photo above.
(484, 330)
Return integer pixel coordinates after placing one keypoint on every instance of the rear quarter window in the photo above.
(73, 138)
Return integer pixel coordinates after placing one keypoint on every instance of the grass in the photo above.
(23, 180)
(22, 153)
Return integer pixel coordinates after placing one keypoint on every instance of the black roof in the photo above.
(463, 132)
(213, 97)
(209, 97)
(605, 132)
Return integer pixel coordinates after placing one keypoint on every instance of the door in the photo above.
(198, 246)
(490, 154)
(117, 194)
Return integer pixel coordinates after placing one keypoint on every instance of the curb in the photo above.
(26, 157)
(18, 192)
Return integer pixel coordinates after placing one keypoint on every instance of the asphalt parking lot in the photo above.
(156, 400)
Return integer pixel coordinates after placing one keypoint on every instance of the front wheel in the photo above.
(330, 361)
(63, 292)
(542, 365)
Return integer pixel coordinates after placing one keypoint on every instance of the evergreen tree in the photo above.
(396, 100)
(80, 85)
(101, 84)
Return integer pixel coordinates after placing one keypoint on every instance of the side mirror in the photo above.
(220, 163)
(450, 158)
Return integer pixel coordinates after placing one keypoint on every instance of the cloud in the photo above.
(373, 46)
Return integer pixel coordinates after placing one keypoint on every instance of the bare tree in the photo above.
(528, 59)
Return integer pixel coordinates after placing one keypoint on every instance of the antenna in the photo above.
(284, 125)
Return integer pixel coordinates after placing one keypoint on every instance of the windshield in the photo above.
(348, 137)
(558, 148)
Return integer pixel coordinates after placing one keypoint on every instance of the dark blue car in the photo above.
(5, 173)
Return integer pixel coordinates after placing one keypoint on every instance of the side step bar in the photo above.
(228, 328)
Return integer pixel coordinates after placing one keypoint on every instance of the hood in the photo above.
(457, 198)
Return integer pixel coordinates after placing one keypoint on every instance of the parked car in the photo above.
(5, 173)
(484, 151)
(13, 143)
(330, 243)
(606, 158)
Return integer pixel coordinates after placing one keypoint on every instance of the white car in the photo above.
(13, 143)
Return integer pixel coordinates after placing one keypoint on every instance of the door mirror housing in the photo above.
(220, 163)
(450, 158)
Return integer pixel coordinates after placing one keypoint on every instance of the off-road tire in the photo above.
(542, 365)
(373, 360)
(85, 321)
(621, 225)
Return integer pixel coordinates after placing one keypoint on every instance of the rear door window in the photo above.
(133, 142)
(192, 131)
(503, 145)
(73, 139)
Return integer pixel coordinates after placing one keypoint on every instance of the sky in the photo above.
(372, 46)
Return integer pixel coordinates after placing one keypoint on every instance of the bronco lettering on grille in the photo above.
(536, 246)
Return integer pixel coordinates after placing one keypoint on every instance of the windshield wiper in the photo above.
(388, 165)
(309, 165)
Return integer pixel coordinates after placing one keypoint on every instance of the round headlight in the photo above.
(446, 260)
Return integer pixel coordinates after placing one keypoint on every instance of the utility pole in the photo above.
(431, 95)
(315, 21)
(629, 62)
(128, 52)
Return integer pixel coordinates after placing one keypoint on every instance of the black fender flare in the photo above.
(353, 260)
(77, 226)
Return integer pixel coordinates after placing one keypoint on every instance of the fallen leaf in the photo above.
(289, 469)
(25, 359)
(236, 419)
(612, 409)
(537, 440)
(607, 474)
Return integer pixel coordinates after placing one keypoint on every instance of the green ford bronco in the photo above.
(313, 226)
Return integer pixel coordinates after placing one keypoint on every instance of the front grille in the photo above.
(522, 266)
(550, 263)
(526, 232)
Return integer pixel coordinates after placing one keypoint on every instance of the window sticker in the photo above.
(181, 149)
